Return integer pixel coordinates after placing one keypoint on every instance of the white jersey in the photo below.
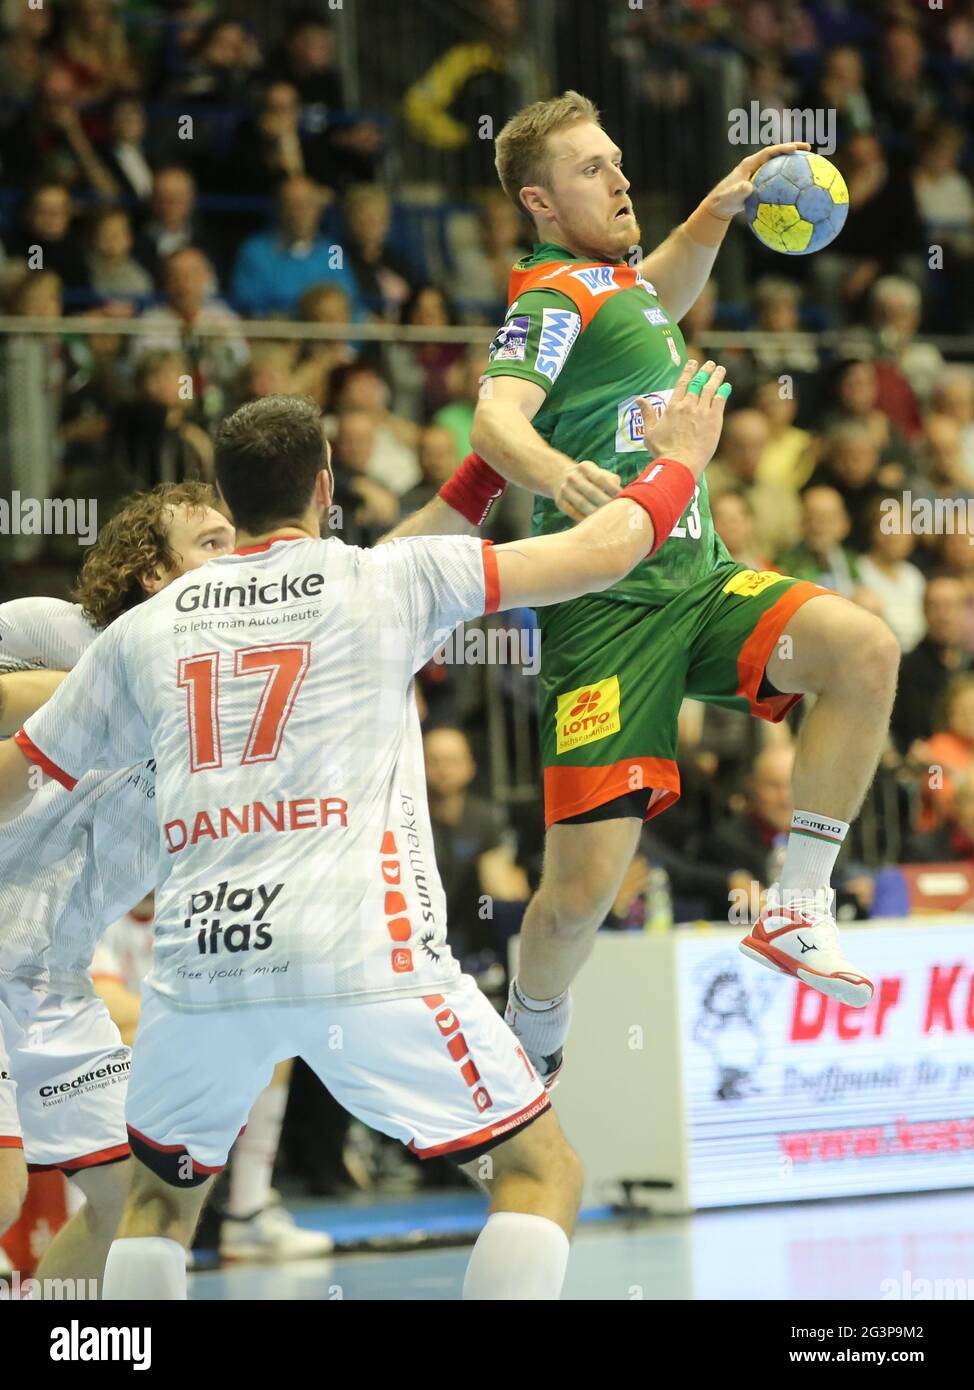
(124, 952)
(274, 689)
(68, 863)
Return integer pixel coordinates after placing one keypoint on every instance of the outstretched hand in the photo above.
(690, 426)
(730, 195)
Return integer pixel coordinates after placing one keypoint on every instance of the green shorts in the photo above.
(614, 675)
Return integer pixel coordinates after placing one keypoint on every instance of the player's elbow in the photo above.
(482, 428)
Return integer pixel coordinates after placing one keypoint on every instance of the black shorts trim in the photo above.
(463, 1156)
(171, 1162)
(619, 808)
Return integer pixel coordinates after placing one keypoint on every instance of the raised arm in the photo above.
(681, 265)
(604, 547)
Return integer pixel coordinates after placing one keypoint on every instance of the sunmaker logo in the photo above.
(197, 597)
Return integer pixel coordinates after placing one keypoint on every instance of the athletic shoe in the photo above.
(271, 1235)
(804, 942)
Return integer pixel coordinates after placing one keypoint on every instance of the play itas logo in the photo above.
(220, 931)
(588, 713)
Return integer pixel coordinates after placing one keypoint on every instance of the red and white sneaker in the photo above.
(804, 942)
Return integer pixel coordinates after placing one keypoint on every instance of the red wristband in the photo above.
(473, 489)
(663, 490)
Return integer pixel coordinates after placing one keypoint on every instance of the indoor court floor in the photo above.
(875, 1248)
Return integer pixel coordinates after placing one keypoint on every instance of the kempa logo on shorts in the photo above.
(77, 1343)
(591, 712)
(80, 1082)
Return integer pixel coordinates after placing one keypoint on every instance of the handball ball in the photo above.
(799, 204)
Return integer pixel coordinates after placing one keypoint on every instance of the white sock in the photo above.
(252, 1163)
(541, 1024)
(810, 855)
(145, 1269)
(517, 1257)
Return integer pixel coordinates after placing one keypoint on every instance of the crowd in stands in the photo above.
(167, 165)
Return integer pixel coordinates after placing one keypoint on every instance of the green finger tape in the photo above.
(724, 390)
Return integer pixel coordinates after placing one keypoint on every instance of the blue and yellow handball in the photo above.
(799, 204)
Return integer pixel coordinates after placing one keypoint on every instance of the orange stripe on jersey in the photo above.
(564, 277)
(492, 582)
(756, 652)
(33, 754)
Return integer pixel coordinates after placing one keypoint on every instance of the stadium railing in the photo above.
(508, 698)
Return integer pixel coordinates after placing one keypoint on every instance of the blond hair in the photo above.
(522, 146)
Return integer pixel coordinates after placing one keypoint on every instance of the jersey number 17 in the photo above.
(283, 667)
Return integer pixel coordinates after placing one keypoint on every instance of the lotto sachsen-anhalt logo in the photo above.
(588, 713)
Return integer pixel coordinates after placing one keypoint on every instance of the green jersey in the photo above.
(594, 336)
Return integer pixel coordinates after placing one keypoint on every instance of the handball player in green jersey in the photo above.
(590, 343)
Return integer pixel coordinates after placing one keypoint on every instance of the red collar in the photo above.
(266, 545)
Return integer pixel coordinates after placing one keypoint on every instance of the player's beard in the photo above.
(618, 243)
(628, 235)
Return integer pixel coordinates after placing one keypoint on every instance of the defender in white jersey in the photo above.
(301, 912)
(255, 1224)
(69, 864)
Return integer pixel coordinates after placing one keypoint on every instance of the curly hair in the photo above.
(135, 540)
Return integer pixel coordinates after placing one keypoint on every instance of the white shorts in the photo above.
(10, 1133)
(69, 1069)
(443, 1073)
